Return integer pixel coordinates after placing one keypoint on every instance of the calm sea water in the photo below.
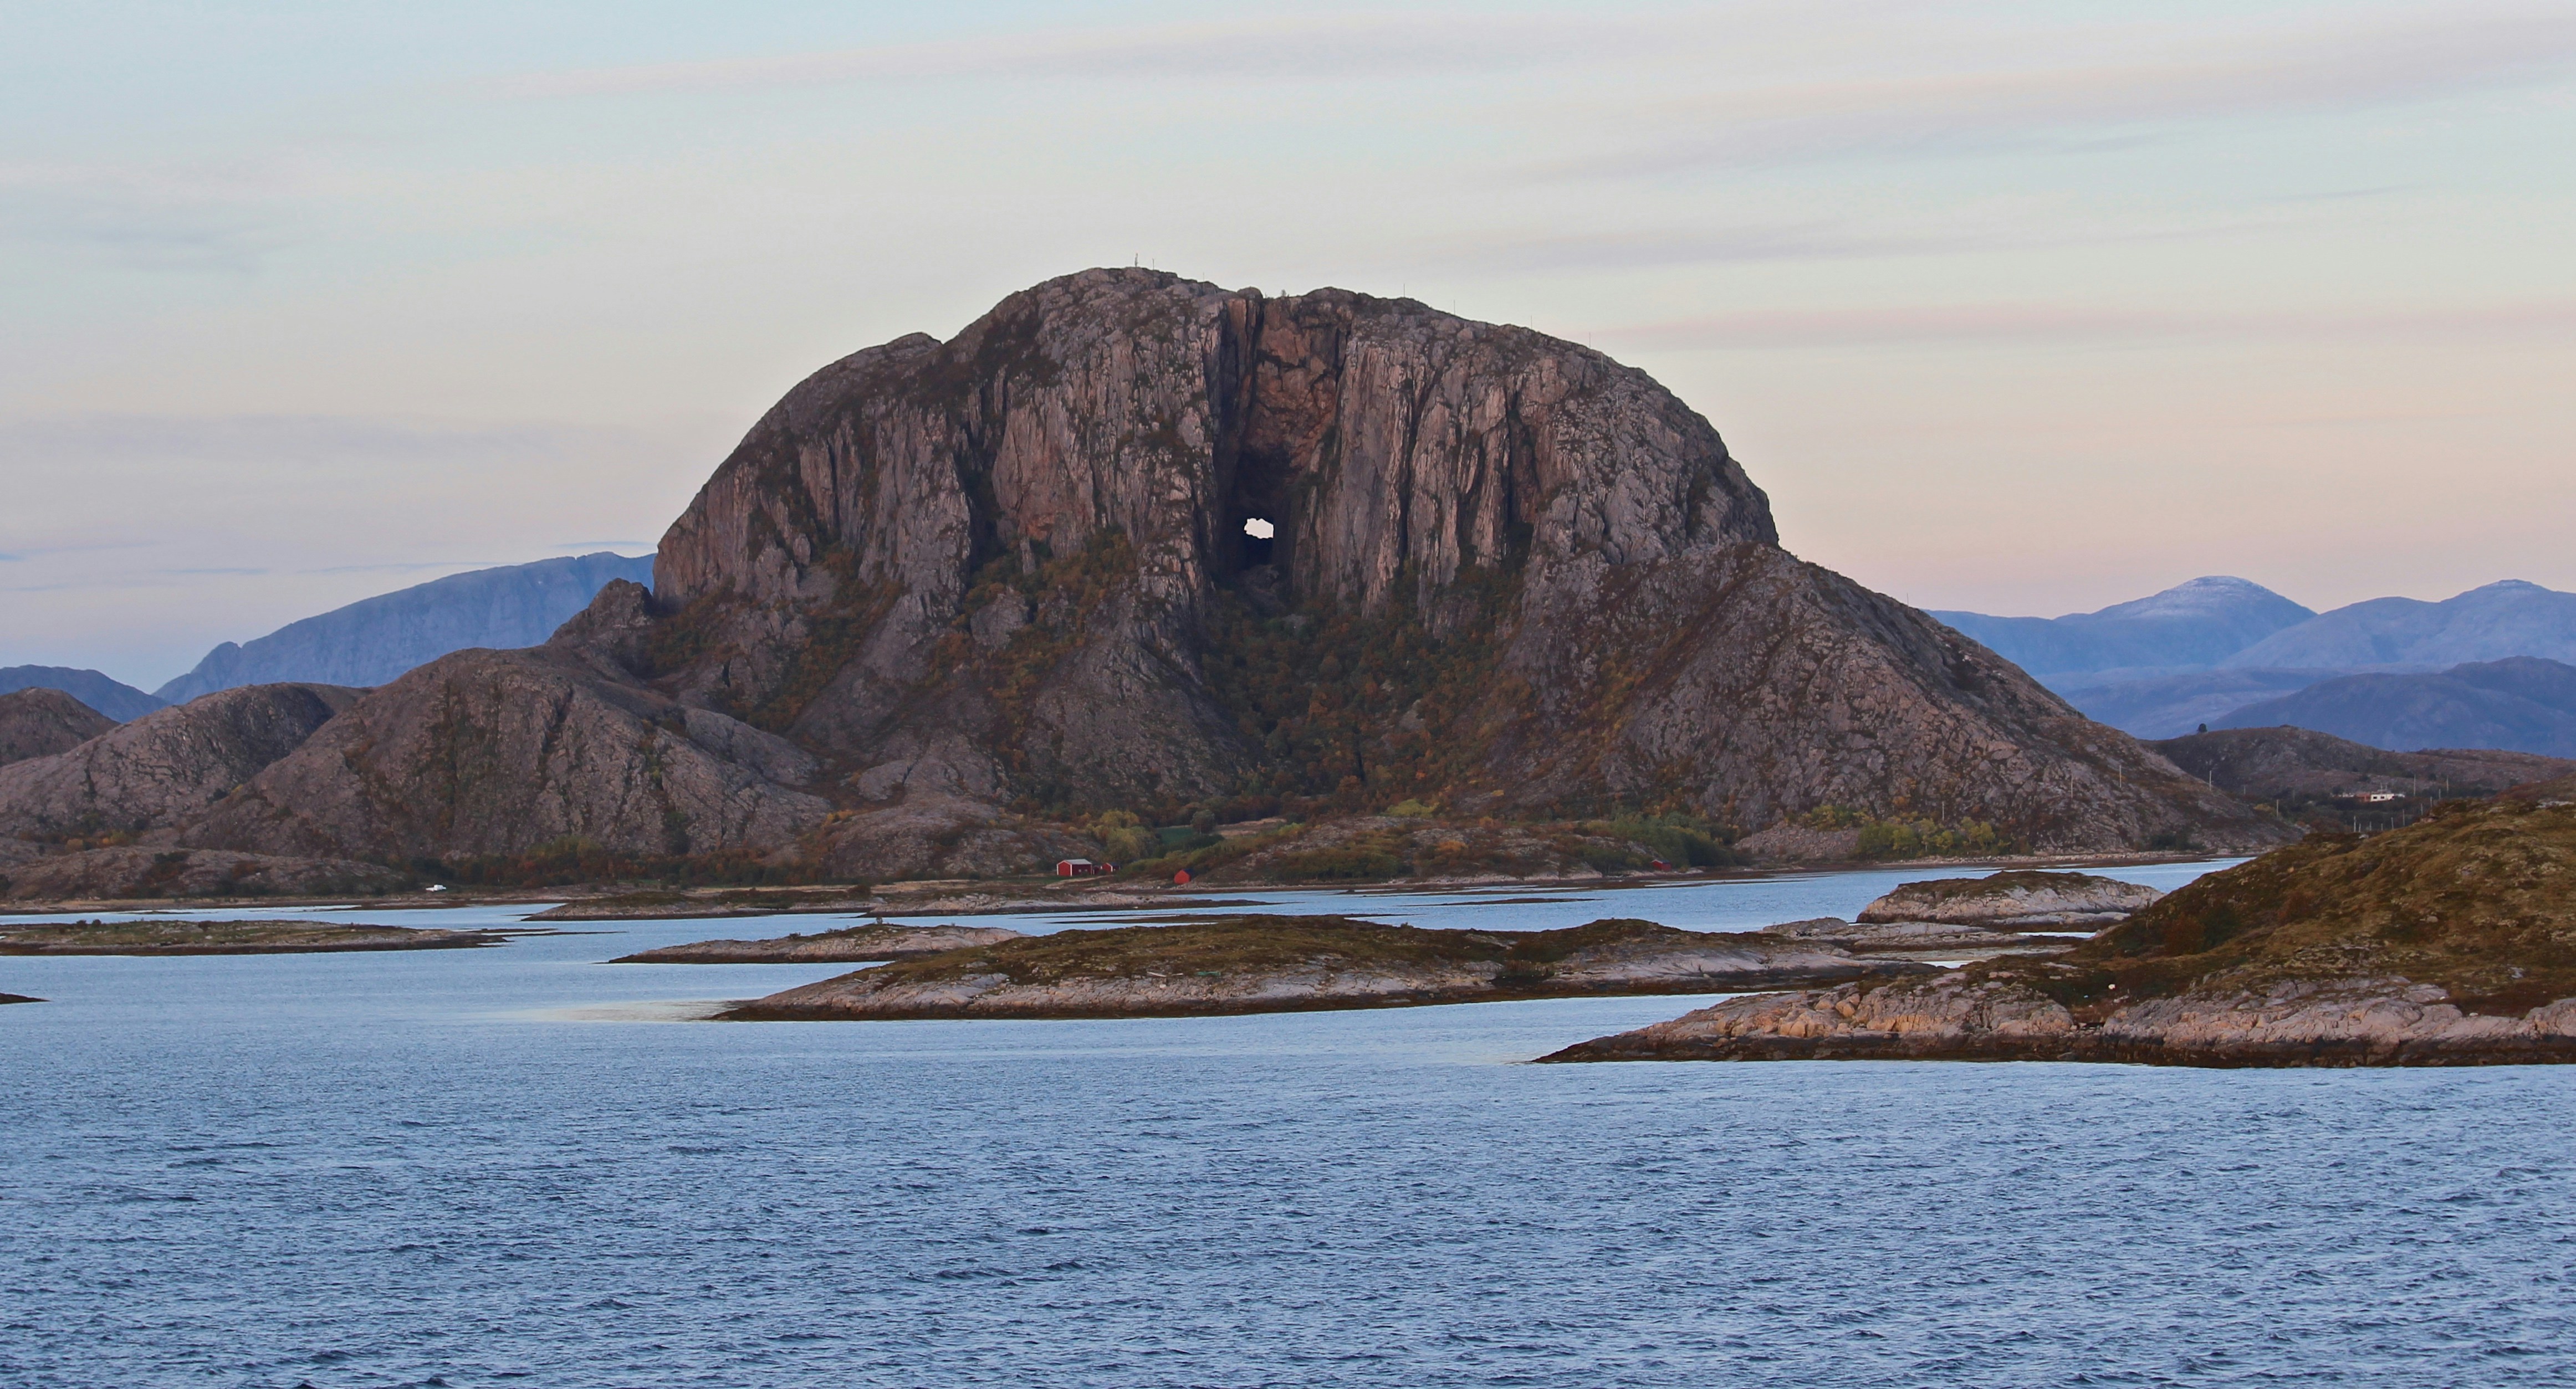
(488, 1167)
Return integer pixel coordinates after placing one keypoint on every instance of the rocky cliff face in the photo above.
(166, 768)
(990, 564)
(943, 591)
(1014, 565)
(41, 722)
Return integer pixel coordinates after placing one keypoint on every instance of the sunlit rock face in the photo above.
(946, 595)
(997, 566)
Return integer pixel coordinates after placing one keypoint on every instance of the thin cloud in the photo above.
(307, 440)
(2069, 107)
(412, 567)
(1305, 48)
(2027, 324)
(1657, 249)
(138, 222)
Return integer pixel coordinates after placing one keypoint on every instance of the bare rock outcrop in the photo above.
(169, 936)
(492, 752)
(943, 587)
(2020, 900)
(1284, 963)
(165, 768)
(1013, 564)
(1951, 942)
(41, 722)
(850, 945)
(2451, 942)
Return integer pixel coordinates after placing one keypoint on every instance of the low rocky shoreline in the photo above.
(2451, 942)
(856, 945)
(174, 937)
(1254, 964)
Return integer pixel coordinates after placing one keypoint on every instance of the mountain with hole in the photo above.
(1133, 548)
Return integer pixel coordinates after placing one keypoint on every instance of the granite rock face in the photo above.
(940, 580)
(1139, 419)
(41, 722)
(165, 768)
(2014, 901)
(991, 566)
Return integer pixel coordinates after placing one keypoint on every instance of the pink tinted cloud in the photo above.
(2045, 323)
(2450, 53)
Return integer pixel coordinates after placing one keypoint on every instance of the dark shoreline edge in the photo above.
(1190, 899)
(2327, 1055)
(477, 942)
(749, 1010)
(411, 938)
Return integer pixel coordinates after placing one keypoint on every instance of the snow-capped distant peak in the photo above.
(2201, 597)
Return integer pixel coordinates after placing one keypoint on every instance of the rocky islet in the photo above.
(1253, 964)
(167, 936)
(2451, 942)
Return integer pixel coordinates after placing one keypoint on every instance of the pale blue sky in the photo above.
(2026, 308)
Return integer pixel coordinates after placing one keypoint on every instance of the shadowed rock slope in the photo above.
(129, 873)
(41, 722)
(945, 593)
(2452, 942)
(1509, 574)
(165, 768)
(114, 698)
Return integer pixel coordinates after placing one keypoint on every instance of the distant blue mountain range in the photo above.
(2223, 651)
(2191, 626)
(376, 639)
(2525, 704)
(114, 698)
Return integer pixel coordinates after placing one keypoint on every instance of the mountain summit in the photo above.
(944, 596)
(375, 639)
(2190, 626)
